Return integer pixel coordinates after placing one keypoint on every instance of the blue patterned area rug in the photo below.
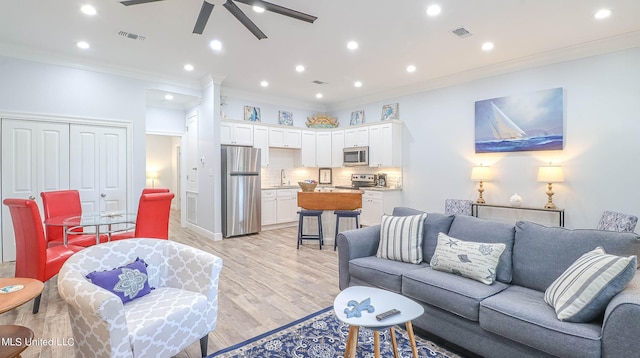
(322, 335)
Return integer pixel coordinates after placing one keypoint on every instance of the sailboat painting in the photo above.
(527, 122)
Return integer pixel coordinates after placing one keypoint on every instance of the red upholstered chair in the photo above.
(65, 203)
(154, 190)
(152, 220)
(33, 258)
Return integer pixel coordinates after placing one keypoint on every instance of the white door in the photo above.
(35, 158)
(191, 155)
(98, 167)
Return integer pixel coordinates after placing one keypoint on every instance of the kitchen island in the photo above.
(328, 200)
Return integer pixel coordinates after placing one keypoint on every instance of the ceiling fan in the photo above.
(207, 8)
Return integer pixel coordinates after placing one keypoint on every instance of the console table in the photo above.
(560, 212)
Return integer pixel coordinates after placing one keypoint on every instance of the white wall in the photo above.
(602, 101)
(164, 120)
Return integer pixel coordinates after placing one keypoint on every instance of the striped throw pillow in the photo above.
(584, 290)
(401, 238)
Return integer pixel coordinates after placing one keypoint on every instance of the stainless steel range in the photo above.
(360, 181)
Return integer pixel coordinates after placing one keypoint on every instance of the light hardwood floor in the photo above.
(265, 283)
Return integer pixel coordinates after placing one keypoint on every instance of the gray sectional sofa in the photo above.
(510, 317)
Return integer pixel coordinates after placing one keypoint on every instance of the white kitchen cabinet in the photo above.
(261, 141)
(308, 152)
(286, 205)
(285, 137)
(356, 137)
(376, 203)
(236, 133)
(385, 145)
(269, 207)
(337, 148)
(323, 149)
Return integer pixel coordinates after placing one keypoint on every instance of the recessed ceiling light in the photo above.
(258, 9)
(83, 45)
(352, 45)
(264, 84)
(358, 84)
(434, 10)
(168, 97)
(188, 67)
(411, 68)
(300, 68)
(487, 46)
(602, 14)
(319, 95)
(216, 45)
(88, 10)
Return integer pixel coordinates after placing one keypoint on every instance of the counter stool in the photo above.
(344, 214)
(301, 236)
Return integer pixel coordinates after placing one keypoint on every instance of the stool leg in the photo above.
(357, 223)
(320, 235)
(335, 240)
(299, 231)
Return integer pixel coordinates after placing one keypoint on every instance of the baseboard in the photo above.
(215, 236)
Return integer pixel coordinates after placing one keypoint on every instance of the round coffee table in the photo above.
(16, 291)
(358, 306)
(14, 340)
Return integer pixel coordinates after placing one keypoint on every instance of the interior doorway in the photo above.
(163, 164)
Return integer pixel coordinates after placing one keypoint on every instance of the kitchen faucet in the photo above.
(283, 176)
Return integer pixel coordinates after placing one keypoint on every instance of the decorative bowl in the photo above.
(307, 186)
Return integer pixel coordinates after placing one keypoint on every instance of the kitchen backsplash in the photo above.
(280, 159)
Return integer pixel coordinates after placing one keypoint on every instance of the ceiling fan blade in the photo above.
(203, 17)
(136, 2)
(280, 10)
(235, 11)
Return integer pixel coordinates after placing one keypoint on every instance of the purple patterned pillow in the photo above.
(128, 282)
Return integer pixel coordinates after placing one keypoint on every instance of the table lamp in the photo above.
(480, 174)
(550, 174)
(153, 175)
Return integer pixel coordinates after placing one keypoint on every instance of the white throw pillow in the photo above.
(401, 238)
(584, 290)
(474, 260)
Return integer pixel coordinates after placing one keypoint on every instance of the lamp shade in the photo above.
(481, 173)
(550, 174)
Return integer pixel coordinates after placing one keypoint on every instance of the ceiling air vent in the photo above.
(461, 32)
(319, 82)
(131, 36)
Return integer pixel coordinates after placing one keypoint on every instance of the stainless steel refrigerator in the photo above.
(241, 193)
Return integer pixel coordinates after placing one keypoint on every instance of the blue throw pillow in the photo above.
(127, 282)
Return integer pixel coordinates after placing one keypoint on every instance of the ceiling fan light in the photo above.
(88, 10)
(216, 45)
(258, 9)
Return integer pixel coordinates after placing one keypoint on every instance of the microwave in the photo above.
(355, 156)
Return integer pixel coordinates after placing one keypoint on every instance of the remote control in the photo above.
(389, 313)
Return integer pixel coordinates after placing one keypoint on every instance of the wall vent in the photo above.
(131, 36)
(192, 208)
(319, 82)
(461, 32)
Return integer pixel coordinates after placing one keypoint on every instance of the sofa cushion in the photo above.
(541, 254)
(435, 224)
(469, 228)
(520, 314)
(474, 260)
(401, 238)
(455, 294)
(584, 290)
(382, 273)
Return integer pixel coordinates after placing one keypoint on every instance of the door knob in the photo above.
(103, 195)
(31, 197)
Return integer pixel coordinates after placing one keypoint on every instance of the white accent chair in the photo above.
(614, 221)
(457, 207)
(181, 309)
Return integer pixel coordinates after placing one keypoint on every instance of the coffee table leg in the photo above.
(376, 344)
(394, 344)
(352, 342)
(412, 339)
